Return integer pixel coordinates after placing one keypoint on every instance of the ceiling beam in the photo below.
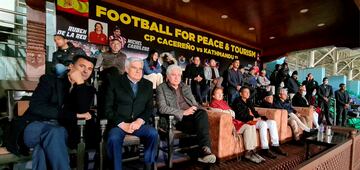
(347, 65)
(324, 56)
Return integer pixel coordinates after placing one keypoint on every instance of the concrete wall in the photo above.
(334, 81)
(354, 86)
(318, 73)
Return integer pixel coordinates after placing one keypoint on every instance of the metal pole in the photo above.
(347, 65)
(6, 43)
(312, 59)
(14, 23)
(324, 56)
(12, 12)
(334, 112)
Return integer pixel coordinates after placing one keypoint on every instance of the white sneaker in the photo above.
(252, 157)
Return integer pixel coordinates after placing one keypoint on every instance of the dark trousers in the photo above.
(49, 142)
(325, 112)
(147, 134)
(341, 111)
(200, 90)
(233, 94)
(198, 124)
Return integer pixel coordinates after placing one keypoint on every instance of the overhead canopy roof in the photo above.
(281, 19)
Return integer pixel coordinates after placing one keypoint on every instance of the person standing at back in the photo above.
(342, 104)
(324, 95)
(311, 86)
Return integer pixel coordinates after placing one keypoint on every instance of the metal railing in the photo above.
(14, 41)
(12, 12)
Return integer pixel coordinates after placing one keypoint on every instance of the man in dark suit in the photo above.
(299, 100)
(199, 87)
(324, 94)
(292, 84)
(128, 106)
(311, 86)
(342, 104)
(235, 80)
(56, 100)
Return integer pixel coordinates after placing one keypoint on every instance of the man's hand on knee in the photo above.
(135, 125)
(125, 127)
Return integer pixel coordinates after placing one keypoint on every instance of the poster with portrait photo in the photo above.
(115, 32)
(98, 32)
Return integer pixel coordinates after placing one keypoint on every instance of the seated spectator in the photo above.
(264, 83)
(299, 100)
(166, 59)
(113, 61)
(293, 118)
(152, 69)
(109, 63)
(248, 131)
(268, 101)
(235, 80)
(212, 74)
(195, 74)
(175, 98)
(218, 104)
(182, 62)
(245, 112)
(128, 106)
(63, 56)
(292, 84)
(54, 101)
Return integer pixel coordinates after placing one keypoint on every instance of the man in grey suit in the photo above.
(175, 98)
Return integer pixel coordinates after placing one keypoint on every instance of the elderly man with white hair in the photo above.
(128, 106)
(293, 117)
(175, 98)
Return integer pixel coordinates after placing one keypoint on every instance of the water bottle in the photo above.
(328, 130)
(321, 128)
(320, 135)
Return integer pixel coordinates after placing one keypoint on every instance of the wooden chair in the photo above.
(169, 133)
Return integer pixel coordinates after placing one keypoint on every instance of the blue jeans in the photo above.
(233, 96)
(147, 134)
(49, 142)
(60, 69)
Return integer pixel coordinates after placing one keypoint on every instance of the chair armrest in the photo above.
(156, 122)
(346, 130)
(81, 146)
(273, 114)
(221, 131)
(188, 81)
(169, 123)
(305, 111)
(103, 124)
